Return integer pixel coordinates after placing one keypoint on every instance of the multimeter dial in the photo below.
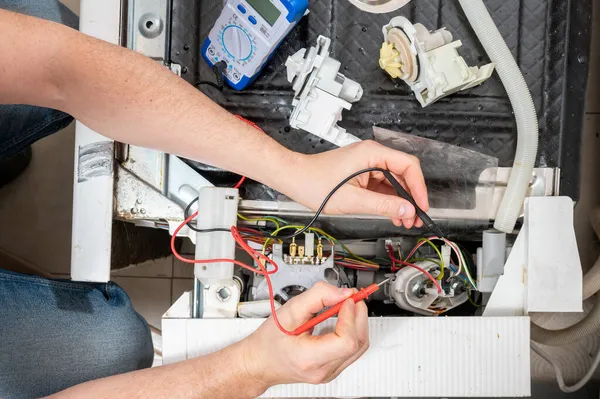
(237, 43)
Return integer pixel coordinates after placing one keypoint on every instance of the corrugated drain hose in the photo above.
(524, 110)
(589, 325)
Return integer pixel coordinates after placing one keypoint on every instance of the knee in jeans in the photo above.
(133, 344)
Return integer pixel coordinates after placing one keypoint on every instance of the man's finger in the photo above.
(363, 201)
(409, 167)
(302, 308)
(389, 190)
(361, 317)
(340, 344)
(346, 325)
(362, 329)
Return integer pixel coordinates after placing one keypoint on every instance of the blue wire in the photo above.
(455, 270)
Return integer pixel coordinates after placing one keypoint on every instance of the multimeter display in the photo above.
(266, 9)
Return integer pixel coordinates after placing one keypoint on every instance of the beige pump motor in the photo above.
(428, 62)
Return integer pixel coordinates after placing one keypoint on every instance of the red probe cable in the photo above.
(258, 257)
(361, 295)
(425, 272)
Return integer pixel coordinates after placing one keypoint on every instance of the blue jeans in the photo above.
(57, 334)
(22, 125)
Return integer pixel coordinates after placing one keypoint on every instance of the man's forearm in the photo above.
(221, 375)
(129, 98)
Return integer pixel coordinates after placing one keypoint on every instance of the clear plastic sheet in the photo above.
(460, 182)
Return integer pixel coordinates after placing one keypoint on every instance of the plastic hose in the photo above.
(559, 377)
(585, 327)
(524, 110)
(591, 281)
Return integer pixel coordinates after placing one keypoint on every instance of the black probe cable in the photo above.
(218, 70)
(427, 221)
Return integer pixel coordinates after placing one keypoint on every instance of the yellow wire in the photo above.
(265, 219)
(432, 245)
(331, 239)
(297, 227)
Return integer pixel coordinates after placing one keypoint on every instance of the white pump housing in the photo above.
(322, 93)
(428, 61)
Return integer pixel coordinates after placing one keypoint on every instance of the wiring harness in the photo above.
(267, 267)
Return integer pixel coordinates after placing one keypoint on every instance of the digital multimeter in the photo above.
(247, 33)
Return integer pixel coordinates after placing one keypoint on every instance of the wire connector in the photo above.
(219, 68)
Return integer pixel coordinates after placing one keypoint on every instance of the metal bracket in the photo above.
(149, 28)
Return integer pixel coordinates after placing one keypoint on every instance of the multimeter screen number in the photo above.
(266, 9)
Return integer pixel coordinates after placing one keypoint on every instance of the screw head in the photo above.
(133, 211)
(143, 211)
(223, 294)
(139, 201)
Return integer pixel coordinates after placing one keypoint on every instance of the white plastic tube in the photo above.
(524, 110)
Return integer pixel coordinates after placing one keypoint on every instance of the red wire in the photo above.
(256, 256)
(425, 272)
(239, 184)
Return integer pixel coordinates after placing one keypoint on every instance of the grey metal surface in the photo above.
(149, 26)
(545, 36)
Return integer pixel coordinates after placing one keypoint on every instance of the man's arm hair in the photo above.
(128, 97)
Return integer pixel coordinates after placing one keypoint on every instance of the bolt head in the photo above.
(223, 294)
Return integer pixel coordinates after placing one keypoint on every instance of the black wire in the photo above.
(206, 82)
(186, 214)
(427, 221)
(218, 70)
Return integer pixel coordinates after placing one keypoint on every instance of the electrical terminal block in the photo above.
(304, 260)
(293, 248)
(320, 250)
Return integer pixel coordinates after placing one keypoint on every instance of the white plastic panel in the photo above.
(508, 298)
(554, 275)
(94, 172)
(409, 356)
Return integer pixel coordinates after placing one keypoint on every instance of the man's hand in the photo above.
(369, 194)
(275, 358)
